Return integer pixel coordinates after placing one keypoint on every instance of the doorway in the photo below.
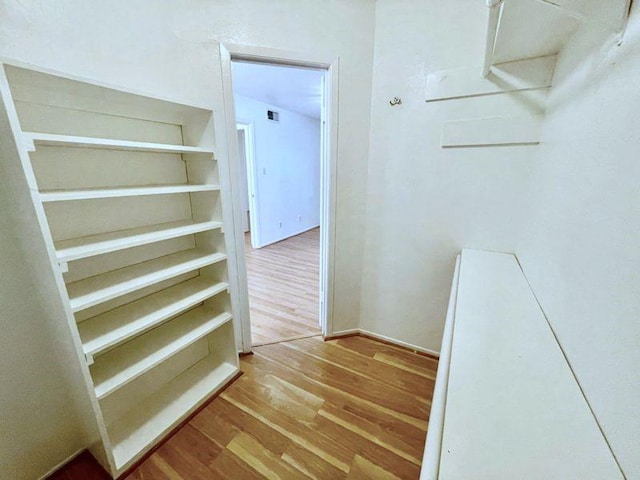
(282, 273)
(321, 311)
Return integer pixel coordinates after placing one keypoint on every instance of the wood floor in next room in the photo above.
(284, 288)
(352, 408)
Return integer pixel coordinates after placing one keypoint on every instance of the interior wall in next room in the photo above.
(287, 169)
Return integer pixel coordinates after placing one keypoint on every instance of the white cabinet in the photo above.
(126, 193)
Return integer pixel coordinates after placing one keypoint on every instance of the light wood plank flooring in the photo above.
(284, 288)
(352, 408)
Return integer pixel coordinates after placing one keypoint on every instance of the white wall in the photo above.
(168, 48)
(425, 203)
(568, 208)
(580, 249)
(41, 395)
(38, 418)
(287, 157)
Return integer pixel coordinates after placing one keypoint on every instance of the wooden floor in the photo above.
(284, 288)
(351, 408)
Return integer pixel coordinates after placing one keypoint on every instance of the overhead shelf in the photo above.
(96, 193)
(102, 288)
(77, 248)
(527, 29)
(103, 331)
(154, 418)
(51, 139)
(120, 366)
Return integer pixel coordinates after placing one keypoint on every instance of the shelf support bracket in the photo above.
(89, 358)
(64, 267)
(495, 8)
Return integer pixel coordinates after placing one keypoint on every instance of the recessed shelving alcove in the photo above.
(126, 190)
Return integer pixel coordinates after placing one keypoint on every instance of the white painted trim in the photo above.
(250, 154)
(53, 470)
(484, 132)
(235, 251)
(400, 343)
(278, 57)
(345, 333)
(230, 52)
(300, 232)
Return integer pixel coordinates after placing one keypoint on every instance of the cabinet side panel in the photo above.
(50, 415)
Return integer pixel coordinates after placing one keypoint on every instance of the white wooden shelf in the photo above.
(124, 364)
(151, 420)
(77, 248)
(103, 331)
(102, 288)
(96, 193)
(50, 139)
(521, 30)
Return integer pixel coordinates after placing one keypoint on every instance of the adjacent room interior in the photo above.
(278, 114)
(455, 295)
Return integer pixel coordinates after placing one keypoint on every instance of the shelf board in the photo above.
(103, 331)
(102, 288)
(124, 364)
(77, 248)
(51, 139)
(151, 420)
(95, 193)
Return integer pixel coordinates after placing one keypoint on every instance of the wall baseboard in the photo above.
(294, 234)
(382, 338)
(64, 462)
(342, 334)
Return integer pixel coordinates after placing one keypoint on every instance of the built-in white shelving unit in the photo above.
(127, 198)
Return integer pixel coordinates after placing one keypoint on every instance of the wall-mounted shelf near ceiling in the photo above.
(523, 40)
(128, 205)
(527, 29)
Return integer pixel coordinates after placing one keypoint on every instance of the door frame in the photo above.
(328, 169)
(252, 184)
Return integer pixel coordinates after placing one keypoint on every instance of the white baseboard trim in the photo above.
(294, 234)
(61, 464)
(344, 333)
(400, 342)
(384, 338)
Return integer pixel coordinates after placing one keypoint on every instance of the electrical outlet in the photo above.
(299, 218)
(279, 224)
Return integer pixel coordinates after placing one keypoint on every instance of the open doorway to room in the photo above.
(279, 126)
